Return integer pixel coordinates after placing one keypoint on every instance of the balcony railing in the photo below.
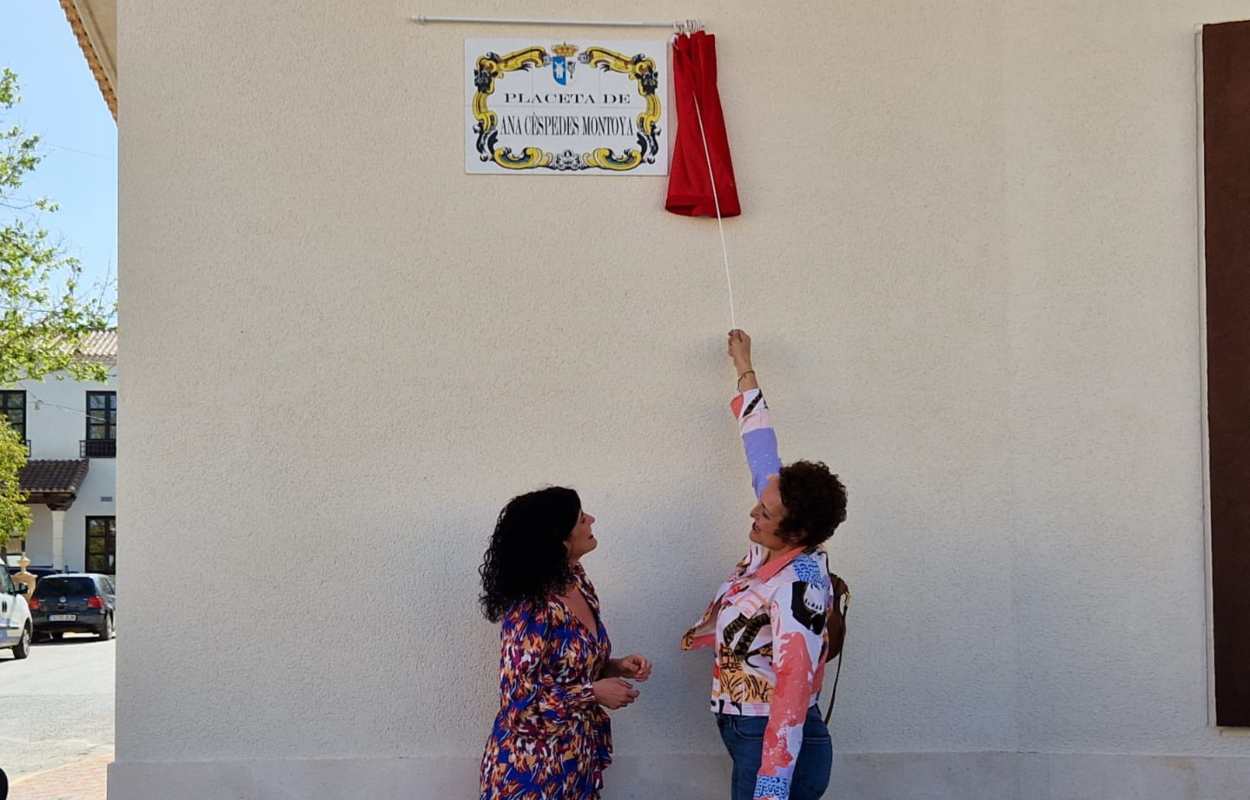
(98, 448)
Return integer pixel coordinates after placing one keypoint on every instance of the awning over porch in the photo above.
(53, 483)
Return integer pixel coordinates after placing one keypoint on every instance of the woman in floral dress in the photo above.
(551, 739)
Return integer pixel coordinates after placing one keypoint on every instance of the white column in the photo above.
(58, 539)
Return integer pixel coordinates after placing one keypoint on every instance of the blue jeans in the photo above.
(744, 738)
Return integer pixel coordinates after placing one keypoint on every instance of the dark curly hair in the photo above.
(527, 559)
(815, 502)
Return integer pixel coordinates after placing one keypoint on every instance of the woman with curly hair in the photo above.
(767, 623)
(551, 739)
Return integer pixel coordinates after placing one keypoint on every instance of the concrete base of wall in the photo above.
(857, 776)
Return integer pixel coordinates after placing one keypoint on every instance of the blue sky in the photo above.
(62, 103)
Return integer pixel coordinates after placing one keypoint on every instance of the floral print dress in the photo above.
(551, 739)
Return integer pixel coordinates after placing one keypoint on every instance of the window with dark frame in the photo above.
(101, 425)
(13, 408)
(101, 555)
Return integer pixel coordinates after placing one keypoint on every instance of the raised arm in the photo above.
(759, 440)
(740, 354)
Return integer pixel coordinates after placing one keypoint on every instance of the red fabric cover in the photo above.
(689, 189)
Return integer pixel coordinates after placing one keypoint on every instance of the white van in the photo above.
(15, 625)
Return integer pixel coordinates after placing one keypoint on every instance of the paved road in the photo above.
(57, 705)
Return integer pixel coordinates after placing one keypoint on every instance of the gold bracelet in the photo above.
(743, 375)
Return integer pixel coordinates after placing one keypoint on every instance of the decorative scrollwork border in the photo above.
(641, 70)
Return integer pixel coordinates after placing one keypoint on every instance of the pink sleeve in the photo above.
(796, 652)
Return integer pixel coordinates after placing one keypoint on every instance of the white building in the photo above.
(71, 476)
(968, 253)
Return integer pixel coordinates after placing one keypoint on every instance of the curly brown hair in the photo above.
(526, 559)
(815, 501)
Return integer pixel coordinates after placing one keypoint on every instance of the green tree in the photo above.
(44, 318)
(14, 513)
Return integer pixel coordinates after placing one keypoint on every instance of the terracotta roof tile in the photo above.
(48, 476)
(91, 53)
(100, 345)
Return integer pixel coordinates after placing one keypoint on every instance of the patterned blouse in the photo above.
(551, 739)
(767, 625)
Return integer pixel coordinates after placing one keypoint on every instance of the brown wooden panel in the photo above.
(1226, 144)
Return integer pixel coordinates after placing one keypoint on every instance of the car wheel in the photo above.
(23, 645)
(106, 632)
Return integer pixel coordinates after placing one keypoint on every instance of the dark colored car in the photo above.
(74, 603)
(38, 572)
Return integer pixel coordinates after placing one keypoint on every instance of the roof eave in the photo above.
(94, 23)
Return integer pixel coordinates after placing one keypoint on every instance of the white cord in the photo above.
(424, 19)
(733, 319)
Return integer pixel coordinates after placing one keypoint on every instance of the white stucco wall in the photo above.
(55, 425)
(967, 256)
